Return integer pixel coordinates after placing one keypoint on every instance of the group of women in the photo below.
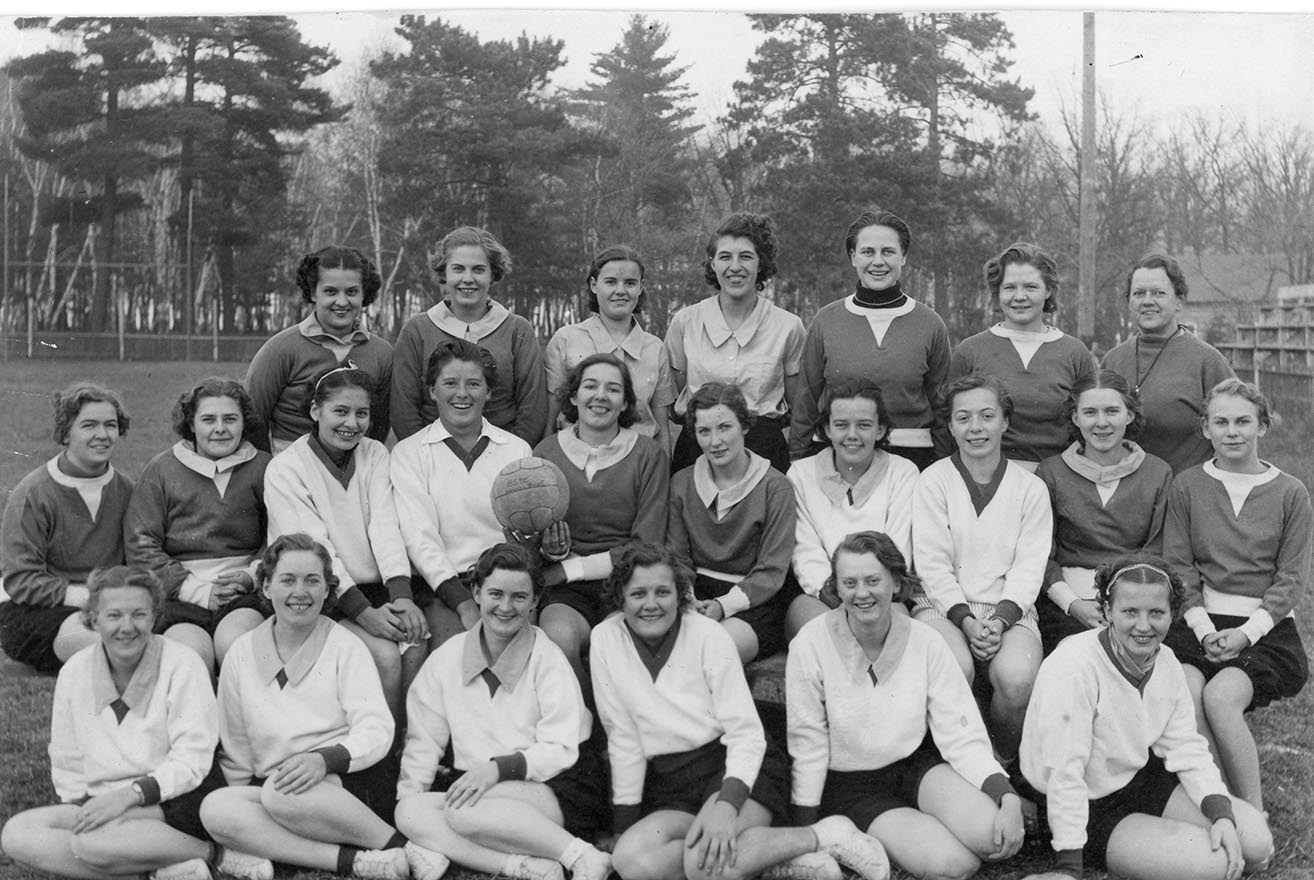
(1004, 473)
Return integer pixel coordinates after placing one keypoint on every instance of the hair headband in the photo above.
(346, 365)
(1141, 565)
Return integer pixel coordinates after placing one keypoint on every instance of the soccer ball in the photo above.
(529, 495)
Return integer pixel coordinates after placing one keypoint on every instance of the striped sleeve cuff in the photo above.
(511, 767)
(734, 792)
(336, 758)
(150, 789)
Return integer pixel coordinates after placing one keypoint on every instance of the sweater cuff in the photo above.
(399, 588)
(1258, 625)
(511, 767)
(958, 613)
(1068, 861)
(453, 591)
(1217, 806)
(735, 601)
(1009, 612)
(150, 789)
(734, 792)
(997, 785)
(1062, 595)
(799, 815)
(1198, 620)
(336, 758)
(623, 816)
(593, 567)
(352, 602)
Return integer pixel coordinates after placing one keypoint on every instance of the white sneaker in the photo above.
(809, 866)
(425, 863)
(594, 864)
(852, 848)
(520, 867)
(381, 864)
(192, 869)
(243, 866)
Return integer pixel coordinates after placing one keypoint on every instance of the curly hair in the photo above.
(851, 389)
(945, 402)
(293, 542)
(1171, 268)
(1020, 253)
(337, 256)
(451, 350)
(760, 229)
(109, 577)
(1246, 391)
(184, 409)
(1139, 568)
(637, 554)
(713, 394)
(877, 218)
(887, 553)
(628, 416)
(1114, 382)
(508, 557)
(69, 402)
(617, 253)
(499, 258)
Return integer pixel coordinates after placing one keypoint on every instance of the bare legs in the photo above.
(1220, 706)
(136, 842)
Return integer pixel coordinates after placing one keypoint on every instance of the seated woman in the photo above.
(305, 732)
(527, 799)
(732, 522)
(855, 485)
(132, 735)
(928, 788)
(333, 485)
(1108, 497)
(441, 478)
(619, 483)
(695, 783)
(1110, 714)
(338, 283)
(1238, 532)
(61, 521)
(197, 513)
(981, 532)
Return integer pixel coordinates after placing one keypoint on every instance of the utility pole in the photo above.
(1086, 248)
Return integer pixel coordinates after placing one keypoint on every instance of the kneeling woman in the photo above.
(928, 788)
(1110, 713)
(504, 697)
(304, 729)
(132, 736)
(695, 785)
(732, 521)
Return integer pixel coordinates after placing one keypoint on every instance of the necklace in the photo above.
(1141, 377)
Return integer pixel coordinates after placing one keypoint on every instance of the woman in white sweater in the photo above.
(928, 788)
(981, 535)
(853, 486)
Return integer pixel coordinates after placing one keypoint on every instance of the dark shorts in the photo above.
(1055, 626)
(589, 598)
(183, 813)
(863, 795)
(1148, 792)
(254, 600)
(27, 633)
(378, 596)
(1276, 665)
(176, 611)
(922, 456)
(766, 620)
(684, 781)
(375, 786)
(766, 438)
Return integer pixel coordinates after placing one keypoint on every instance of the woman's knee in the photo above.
(285, 809)
(633, 859)
(101, 849)
(20, 836)
(949, 864)
(1256, 837)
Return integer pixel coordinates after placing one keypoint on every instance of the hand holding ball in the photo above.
(529, 495)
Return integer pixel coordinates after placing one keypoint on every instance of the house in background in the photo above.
(1226, 290)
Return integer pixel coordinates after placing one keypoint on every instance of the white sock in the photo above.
(573, 852)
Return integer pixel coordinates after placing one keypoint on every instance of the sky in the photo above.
(1253, 66)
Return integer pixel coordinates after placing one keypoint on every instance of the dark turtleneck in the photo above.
(889, 298)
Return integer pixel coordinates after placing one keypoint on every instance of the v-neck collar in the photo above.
(860, 667)
(981, 495)
(272, 668)
(137, 695)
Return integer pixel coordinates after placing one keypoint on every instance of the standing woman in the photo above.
(339, 283)
(881, 334)
(1238, 532)
(61, 521)
(1108, 497)
(981, 530)
(132, 735)
(695, 783)
(732, 522)
(1036, 361)
(1127, 782)
(616, 296)
(468, 263)
(928, 788)
(619, 487)
(855, 485)
(739, 338)
(1167, 365)
(197, 515)
(333, 485)
(441, 480)
(305, 731)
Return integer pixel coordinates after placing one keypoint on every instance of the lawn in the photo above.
(149, 389)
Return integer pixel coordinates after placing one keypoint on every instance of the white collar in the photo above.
(1049, 334)
(603, 341)
(591, 459)
(210, 467)
(713, 320)
(436, 432)
(732, 495)
(442, 317)
(72, 482)
(312, 329)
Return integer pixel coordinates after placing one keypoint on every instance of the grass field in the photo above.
(1284, 730)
